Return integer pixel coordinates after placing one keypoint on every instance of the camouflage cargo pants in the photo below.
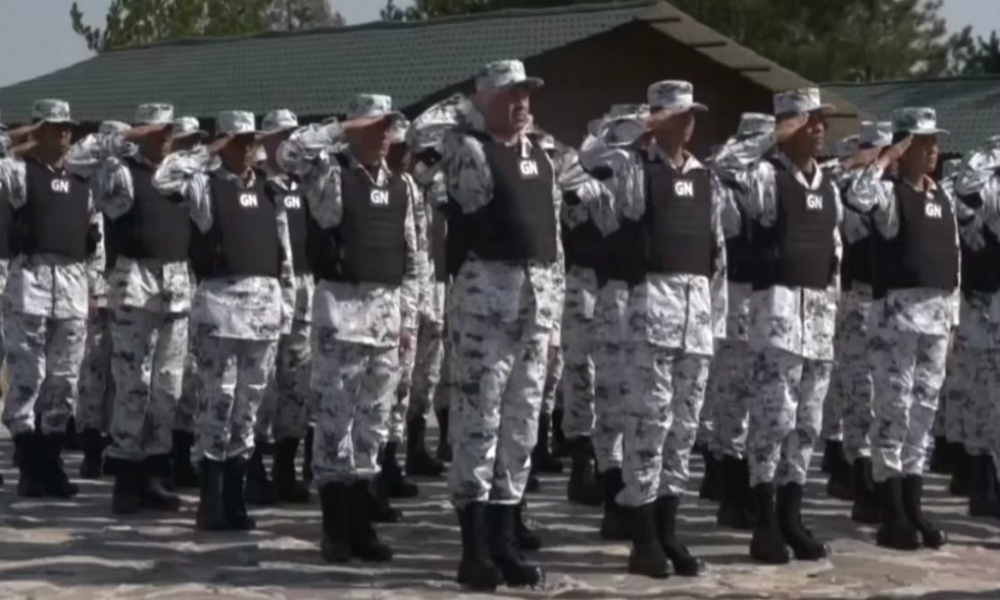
(43, 367)
(786, 409)
(661, 420)
(853, 374)
(97, 391)
(611, 375)
(404, 382)
(977, 363)
(956, 389)
(729, 384)
(994, 437)
(232, 380)
(907, 370)
(427, 370)
(147, 363)
(284, 412)
(357, 387)
(499, 371)
(577, 349)
(551, 393)
(187, 406)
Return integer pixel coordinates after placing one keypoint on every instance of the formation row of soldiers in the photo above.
(358, 274)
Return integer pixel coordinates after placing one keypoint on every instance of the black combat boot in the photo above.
(940, 462)
(259, 487)
(527, 539)
(364, 540)
(768, 542)
(866, 506)
(614, 523)
(501, 520)
(419, 462)
(211, 510)
(736, 508)
(287, 487)
(307, 454)
(542, 460)
(560, 449)
(534, 484)
(184, 476)
(684, 564)
(983, 501)
(711, 484)
(838, 486)
(800, 539)
(647, 557)
(913, 490)
(31, 483)
(380, 509)
(895, 531)
(961, 472)
(234, 477)
(444, 446)
(476, 571)
(153, 493)
(334, 502)
(396, 484)
(92, 443)
(125, 499)
(582, 487)
(833, 451)
(54, 478)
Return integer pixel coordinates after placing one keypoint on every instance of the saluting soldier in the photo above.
(916, 288)
(56, 232)
(241, 255)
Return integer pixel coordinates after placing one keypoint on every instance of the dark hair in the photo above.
(899, 136)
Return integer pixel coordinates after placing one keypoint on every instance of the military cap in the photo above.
(51, 111)
(236, 122)
(279, 120)
(188, 126)
(848, 146)
(752, 124)
(107, 127)
(504, 73)
(674, 96)
(916, 121)
(875, 134)
(366, 109)
(804, 100)
(154, 114)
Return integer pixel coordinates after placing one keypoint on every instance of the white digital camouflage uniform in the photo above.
(237, 320)
(289, 399)
(46, 306)
(356, 327)
(910, 334)
(672, 324)
(93, 411)
(791, 335)
(978, 180)
(149, 300)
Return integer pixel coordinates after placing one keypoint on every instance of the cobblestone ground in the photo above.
(76, 549)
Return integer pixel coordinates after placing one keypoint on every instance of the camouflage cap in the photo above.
(366, 109)
(916, 121)
(949, 168)
(188, 126)
(875, 134)
(236, 122)
(154, 114)
(279, 120)
(848, 146)
(51, 111)
(107, 127)
(398, 132)
(674, 96)
(752, 124)
(804, 100)
(503, 73)
(628, 110)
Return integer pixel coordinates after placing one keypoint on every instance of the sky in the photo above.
(36, 36)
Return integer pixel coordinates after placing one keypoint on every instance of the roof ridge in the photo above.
(588, 7)
(918, 80)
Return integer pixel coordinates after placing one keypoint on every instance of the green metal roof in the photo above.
(313, 73)
(969, 107)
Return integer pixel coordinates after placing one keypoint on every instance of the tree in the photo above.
(391, 12)
(131, 22)
(975, 56)
(823, 41)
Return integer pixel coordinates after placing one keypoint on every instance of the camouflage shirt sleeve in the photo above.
(739, 156)
(186, 174)
(978, 188)
(470, 183)
(13, 187)
(760, 203)
(309, 154)
(410, 292)
(871, 194)
(87, 158)
(97, 263)
(719, 283)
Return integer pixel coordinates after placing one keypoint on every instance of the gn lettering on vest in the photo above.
(248, 200)
(529, 169)
(814, 202)
(684, 188)
(293, 202)
(60, 186)
(380, 197)
(933, 211)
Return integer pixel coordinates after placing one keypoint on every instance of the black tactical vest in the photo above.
(56, 217)
(243, 240)
(623, 254)
(678, 220)
(295, 207)
(857, 263)
(924, 253)
(519, 222)
(739, 250)
(369, 244)
(582, 245)
(798, 250)
(155, 227)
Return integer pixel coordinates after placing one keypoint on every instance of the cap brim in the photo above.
(198, 132)
(824, 108)
(59, 121)
(531, 83)
(360, 122)
(934, 131)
